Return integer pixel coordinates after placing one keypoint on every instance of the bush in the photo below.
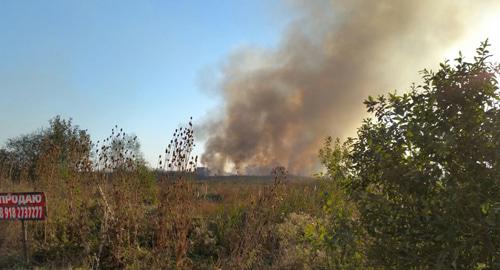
(425, 172)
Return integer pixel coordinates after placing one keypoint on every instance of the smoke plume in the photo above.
(279, 104)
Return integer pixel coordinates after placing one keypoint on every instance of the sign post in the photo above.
(25, 239)
(23, 206)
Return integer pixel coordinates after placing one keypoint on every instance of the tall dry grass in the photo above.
(108, 210)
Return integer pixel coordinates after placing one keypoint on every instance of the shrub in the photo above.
(427, 176)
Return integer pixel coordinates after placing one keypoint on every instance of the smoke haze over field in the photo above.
(279, 104)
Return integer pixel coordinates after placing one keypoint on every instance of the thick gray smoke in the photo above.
(280, 104)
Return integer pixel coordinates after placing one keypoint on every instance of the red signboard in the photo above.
(22, 206)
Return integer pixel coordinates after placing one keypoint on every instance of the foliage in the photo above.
(62, 148)
(299, 245)
(418, 188)
(426, 172)
(339, 233)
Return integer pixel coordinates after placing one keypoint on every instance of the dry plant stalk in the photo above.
(177, 196)
(249, 251)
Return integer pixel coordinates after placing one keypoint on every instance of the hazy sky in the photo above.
(146, 66)
(139, 64)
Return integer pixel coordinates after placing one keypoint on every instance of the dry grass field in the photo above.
(418, 188)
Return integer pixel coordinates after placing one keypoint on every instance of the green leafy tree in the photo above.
(56, 150)
(426, 172)
(20, 156)
(68, 145)
(338, 233)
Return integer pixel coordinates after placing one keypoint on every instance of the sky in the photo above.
(146, 66)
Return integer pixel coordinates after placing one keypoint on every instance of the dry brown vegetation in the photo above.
(107, 210)
(418, 188)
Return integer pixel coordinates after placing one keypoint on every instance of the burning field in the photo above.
(279, 104)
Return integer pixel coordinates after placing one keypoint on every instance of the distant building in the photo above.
(202, 172)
